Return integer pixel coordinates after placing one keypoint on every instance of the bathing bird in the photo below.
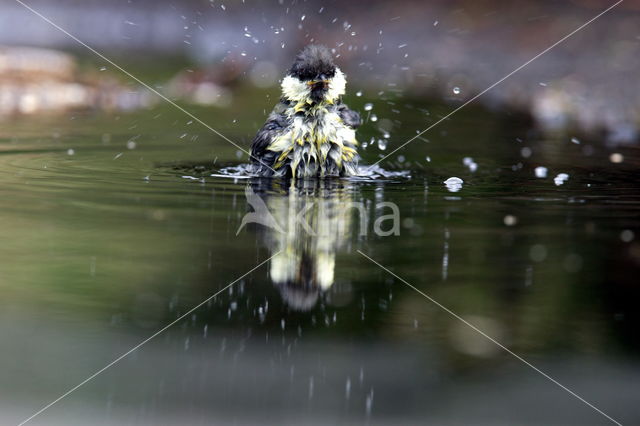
(310, 133)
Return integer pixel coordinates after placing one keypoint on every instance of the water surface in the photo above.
(113, 226)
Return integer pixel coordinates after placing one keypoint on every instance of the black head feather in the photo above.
(312, 62)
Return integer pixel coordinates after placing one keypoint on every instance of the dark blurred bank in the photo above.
(451, 50)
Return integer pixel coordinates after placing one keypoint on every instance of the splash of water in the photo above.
(365, 173)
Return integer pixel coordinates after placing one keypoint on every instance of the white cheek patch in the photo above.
(294, 89)
(299, 91)
(337, 86)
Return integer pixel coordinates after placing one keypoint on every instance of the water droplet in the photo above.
(541, 172)
(369, 403)
(456, 90)
(560, 179)
(472, 165)
(454, 184)
(510, 220)
(368, 107)
(616, 157)
(538, 252)
(627, 235)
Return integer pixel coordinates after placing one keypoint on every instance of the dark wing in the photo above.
(275, 125)
(350, 117)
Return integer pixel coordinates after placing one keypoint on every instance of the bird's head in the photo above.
(313, 77)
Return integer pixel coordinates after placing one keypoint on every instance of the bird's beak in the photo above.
(319, 84)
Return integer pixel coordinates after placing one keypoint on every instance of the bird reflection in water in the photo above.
(304, 224)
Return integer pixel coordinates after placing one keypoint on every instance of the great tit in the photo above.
(311, 133)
